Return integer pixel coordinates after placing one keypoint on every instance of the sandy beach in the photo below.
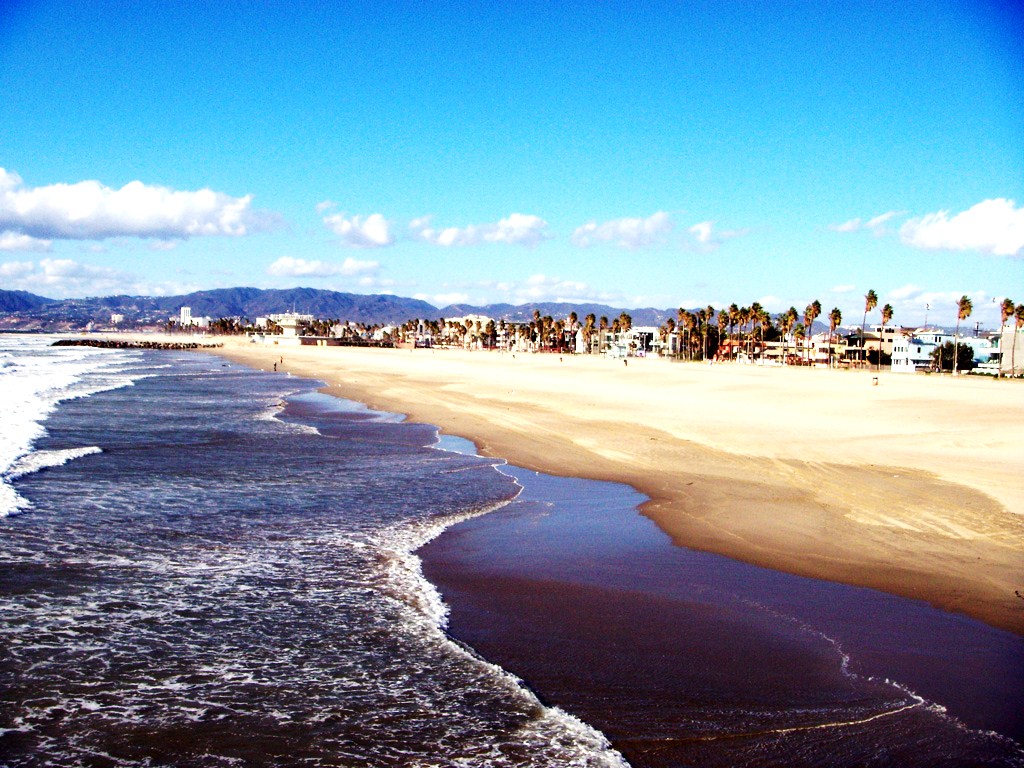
(911, 485)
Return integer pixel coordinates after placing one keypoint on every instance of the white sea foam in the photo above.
(35, 377)
(38, 460)
(583, 745)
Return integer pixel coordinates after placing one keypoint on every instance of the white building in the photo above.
(913, 352)
(1011, 344)
(185, 317)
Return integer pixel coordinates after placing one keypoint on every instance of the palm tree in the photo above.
(709, 315)
(963, 311)
(670, 329)
(681, 327)
(811, 313)
(588, 328)
(886, 317)
(687, 321)
(742, 318)
(800, 334)
(786, 321)
(734, 317)
(766, 322)
(835, 317)
(1006, 310)
(870, 302)
(755, 317)
(723, 321)
(701, 317)
(1018, 316)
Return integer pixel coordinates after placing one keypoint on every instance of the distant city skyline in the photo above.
(669, 154)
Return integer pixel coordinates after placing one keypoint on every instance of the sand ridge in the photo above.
(912, 485)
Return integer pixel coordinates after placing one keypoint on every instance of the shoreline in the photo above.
(915, 525)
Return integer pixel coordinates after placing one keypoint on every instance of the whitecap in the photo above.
(39, 460)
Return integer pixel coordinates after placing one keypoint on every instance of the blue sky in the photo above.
(638, 154)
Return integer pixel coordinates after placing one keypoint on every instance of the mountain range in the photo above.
(20, 310)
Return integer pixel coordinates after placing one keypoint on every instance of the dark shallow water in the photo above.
(685, 658)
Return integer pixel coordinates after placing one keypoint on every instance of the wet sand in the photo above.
(688, 658)
(911, 486)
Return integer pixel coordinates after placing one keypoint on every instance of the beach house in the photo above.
(1011, 346)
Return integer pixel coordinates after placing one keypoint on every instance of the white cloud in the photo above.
(515, 229)
(626, 232)
(12, 241)
(881, 219)
(550, 288)
(325, 205)
(849, 288)
(88, 210)
(911, 304)
(875, 225)
(61, 278)
(443, 299)
(702, 231)
(375, 282)
(847, 226)
(373, 231)
(993, 226)
(706, 236)
(16, 270)
(287, 266)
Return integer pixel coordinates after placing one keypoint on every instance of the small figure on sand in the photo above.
(275, 367)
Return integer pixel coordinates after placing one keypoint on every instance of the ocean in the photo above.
(202, 564)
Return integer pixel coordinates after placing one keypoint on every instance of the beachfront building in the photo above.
(912, 352)
(291, 317)
(913, 349)
(186, 320)
(1011, 346)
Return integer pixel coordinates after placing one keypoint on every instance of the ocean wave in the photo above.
(36, 378)
(10, 500)
(39, 460)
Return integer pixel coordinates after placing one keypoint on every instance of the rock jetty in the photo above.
(132, 344)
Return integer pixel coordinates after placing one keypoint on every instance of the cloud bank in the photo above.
(992, 226)
(88, 210)
(13, 241)
(59, 278)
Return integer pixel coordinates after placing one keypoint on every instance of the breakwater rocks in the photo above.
(126, 344)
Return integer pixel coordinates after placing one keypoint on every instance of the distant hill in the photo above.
(252, 302)
(24, 311)
(21, 311)
(19, 301)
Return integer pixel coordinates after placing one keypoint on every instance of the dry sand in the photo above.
(914, 486)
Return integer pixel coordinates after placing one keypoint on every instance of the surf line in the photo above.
(815, 727)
